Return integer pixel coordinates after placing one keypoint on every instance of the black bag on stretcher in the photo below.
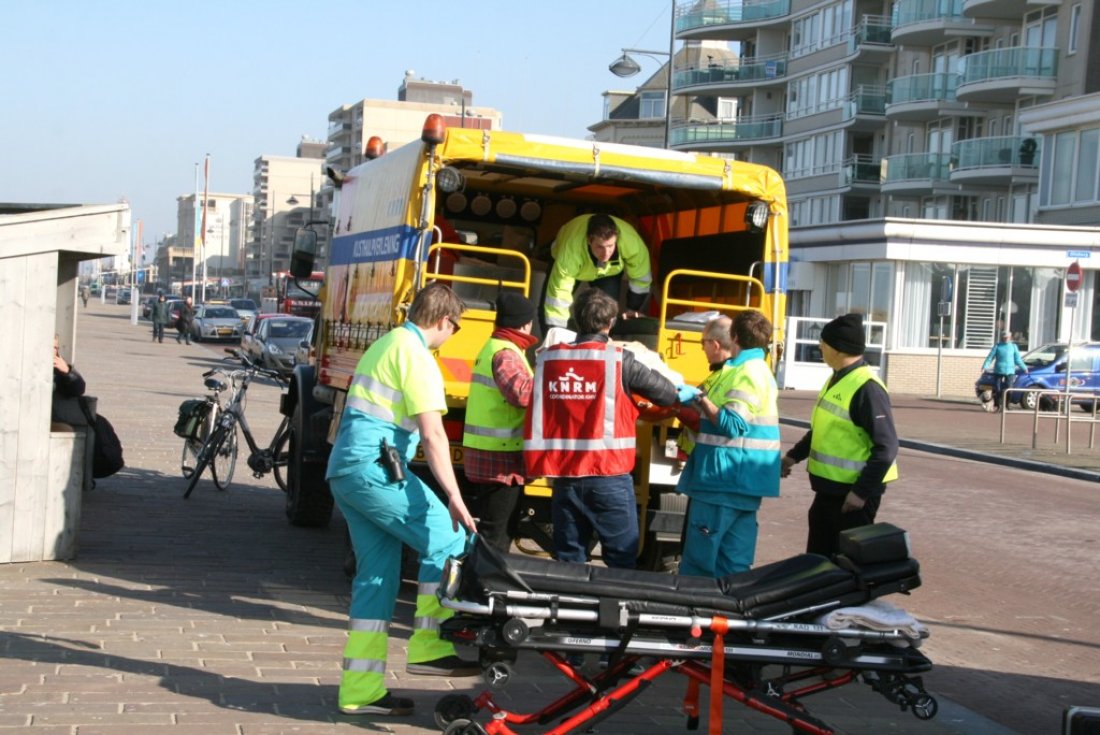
(767, 638)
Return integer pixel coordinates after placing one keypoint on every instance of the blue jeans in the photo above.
(605, 505)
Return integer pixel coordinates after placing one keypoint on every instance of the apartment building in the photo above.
(941, 160)
(401, 120)
(283, 190)
(223, 249)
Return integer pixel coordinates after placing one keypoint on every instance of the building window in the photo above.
(1070, 168)
(1074, 28)
(652, 105)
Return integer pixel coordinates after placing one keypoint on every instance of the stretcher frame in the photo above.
(769, 664)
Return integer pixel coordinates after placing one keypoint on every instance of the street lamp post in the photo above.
(627, 66)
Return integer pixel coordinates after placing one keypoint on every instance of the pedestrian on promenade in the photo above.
(596, 249)
(160, 317)
(1005, 360)
(85, 293)
(396, 400)
(500, 392)
(852, 442)
(736, 459)
(580, 430)
(185, 320)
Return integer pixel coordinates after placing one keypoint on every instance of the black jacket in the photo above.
(68, 385)
(637, 378)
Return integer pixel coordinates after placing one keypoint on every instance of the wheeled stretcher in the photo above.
(766, 638)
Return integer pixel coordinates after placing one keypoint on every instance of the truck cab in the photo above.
(479, 211)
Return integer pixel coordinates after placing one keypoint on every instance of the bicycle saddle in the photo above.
(214, 384)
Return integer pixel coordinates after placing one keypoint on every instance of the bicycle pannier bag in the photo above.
(192, 412)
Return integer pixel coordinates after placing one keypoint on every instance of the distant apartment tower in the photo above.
(282, 187)
(227, 217)
(399, 121)
(915, 108)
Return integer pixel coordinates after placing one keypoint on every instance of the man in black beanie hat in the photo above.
(500, 392)
(851, 444)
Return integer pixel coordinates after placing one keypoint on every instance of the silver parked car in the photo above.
(277, 339)
(214, 321)
(245, 307)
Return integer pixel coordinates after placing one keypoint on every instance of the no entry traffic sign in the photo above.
(1073, 276)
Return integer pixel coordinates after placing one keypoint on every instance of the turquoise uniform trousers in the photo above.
(718, 540)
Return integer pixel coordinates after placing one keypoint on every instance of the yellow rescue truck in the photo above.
(479, 210)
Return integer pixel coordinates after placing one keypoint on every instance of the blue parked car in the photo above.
(1047, 371)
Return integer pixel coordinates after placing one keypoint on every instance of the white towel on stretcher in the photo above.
(875, 615)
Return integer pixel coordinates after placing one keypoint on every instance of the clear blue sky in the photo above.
(116, 99)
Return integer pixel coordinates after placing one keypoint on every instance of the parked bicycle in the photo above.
(214, 441)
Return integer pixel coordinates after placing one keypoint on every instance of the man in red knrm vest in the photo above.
(580, 431)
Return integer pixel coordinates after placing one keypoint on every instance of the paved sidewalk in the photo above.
(213, 615)
(959, 427)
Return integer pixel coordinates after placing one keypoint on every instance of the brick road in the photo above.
(213, 615)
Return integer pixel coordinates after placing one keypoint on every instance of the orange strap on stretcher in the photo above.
(719, 626)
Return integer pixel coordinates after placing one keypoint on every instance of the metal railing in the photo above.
(1063, 407)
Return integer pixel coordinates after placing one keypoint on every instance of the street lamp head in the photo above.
(624, 66)
(293, 201)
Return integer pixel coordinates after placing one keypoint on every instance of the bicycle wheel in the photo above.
(193, 445)
(225, 459)
(280, 455)
(205, 457)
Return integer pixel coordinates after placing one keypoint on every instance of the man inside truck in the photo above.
(596, 249)
(396, 400)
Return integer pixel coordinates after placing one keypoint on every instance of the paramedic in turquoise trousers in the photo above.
(736, 459)
(396, 397)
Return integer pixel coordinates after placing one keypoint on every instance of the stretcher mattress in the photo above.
(793, 584)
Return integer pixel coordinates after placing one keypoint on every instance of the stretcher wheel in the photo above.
(464, 727)
(515, 631)
(925, 707)
(498, 675)
(452, 708)
(834, 652)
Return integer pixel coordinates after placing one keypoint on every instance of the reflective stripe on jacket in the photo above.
(747, 464)
(573, 262)
(838, 448)
(581, 422)
(492, 423)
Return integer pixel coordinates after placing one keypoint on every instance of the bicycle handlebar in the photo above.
(253, 367)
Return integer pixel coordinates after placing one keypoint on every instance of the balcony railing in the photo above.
(908, 12)
(726, 12)
(866, 100)
(999, 152)
(745, 130)
(922, 88)
(872, 29)
(1002, 63)
(917, 166)
(745, 70)
(861, 169)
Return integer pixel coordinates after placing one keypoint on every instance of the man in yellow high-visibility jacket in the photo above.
(852, 442)
(395, 401)
(595, 248)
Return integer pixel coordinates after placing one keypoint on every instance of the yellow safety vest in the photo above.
(492, 424)
(838, 448)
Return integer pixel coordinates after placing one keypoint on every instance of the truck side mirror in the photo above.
(304, 254)
(1060, 367)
